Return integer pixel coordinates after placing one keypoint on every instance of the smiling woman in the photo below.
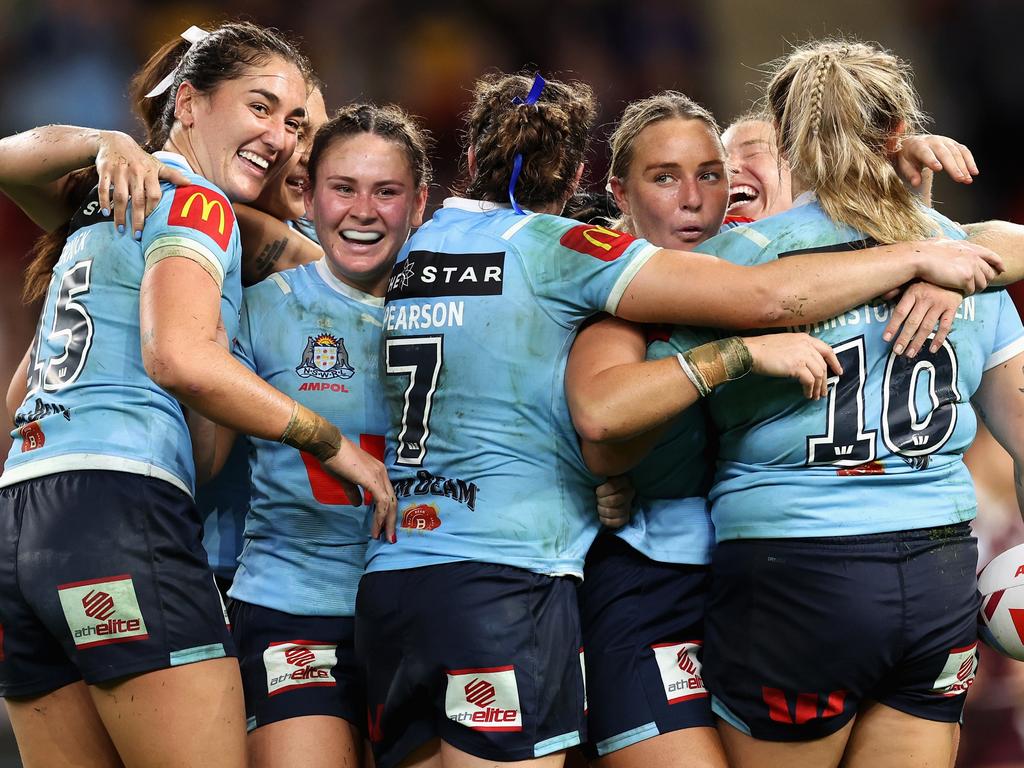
(162, 681)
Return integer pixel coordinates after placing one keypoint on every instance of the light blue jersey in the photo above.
(317, 340)
(670, 521)
(224, 501)
(482, 309)
(90, 403)
(884, 451)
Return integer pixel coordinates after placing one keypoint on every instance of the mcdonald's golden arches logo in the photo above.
(205, 210)
(597, 241)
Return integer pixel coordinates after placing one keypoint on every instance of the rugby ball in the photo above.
(1001, 620)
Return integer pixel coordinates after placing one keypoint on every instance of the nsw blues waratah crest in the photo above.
(325, 357)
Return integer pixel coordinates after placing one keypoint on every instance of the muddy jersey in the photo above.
(317, 340)
(883, 452)
(90, 403)
(482, 308)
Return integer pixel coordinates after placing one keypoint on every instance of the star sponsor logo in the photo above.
(428, 274)
(325, 357)
(680, 668)
(958, 673)
(102, 611)
(299, 664)
(484, 699)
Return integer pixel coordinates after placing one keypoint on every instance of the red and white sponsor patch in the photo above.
(600, 242)
(32, 437)
(299, 664)
(204, 210)
(680, 668)
(421, 517)
(102, 611)
(958, 673)
(484, 699)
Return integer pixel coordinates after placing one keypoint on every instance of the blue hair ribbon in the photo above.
(517, 164)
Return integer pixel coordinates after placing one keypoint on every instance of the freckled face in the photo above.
(364, 205)
(759, 185)
(676, 189)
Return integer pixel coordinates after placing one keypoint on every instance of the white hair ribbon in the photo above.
(193, 35)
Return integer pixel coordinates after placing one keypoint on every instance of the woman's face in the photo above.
(364, 204)
(676, 189)
(759, 185)
(282, 198)
(245, 129)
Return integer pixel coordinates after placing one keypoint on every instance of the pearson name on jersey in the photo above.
(481, 310)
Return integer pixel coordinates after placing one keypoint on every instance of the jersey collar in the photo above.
(344, 288)
(173, 158)
(475, 206)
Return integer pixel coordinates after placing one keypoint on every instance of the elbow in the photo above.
(603, 461)
(173, 370)
(593, 426)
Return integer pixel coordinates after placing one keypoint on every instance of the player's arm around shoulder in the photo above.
(269, 245)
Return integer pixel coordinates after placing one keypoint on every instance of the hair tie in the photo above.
(517, 164)
(193, 35)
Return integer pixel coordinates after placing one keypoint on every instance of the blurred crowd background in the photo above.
(68, 61)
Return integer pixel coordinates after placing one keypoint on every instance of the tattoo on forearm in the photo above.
(1022, 371)
(263, 265)
(147, 338)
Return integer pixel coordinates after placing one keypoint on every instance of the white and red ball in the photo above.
(1001, 619)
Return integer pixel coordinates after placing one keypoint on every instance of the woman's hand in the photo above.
(937, 153)
(354, 467)
(128, 173)
(956, 264)
(615, 501)
(795, 356)
(920, 309)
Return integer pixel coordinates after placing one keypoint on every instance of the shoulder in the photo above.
(279, 288)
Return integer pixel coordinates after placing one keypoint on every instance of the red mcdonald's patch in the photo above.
(204, 210)
(600, 242)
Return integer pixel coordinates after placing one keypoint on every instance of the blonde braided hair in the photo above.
(837, 106)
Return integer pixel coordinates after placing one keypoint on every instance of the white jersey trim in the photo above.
(627, 276)
(474, 206)
(509, 233)
(344, 288)
(70, 462)
(1008, 352)
(173, 158)
(752, 235)
(281, 283)
(203, 256)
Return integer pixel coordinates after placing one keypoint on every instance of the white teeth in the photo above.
(362, 237)
(252, 157)
(743, 189)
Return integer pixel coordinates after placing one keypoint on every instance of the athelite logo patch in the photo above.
(958, 673)
(484, 699)
(680, 668)
(204, 210)
(102, 611)
(298, 664)
(325, 357)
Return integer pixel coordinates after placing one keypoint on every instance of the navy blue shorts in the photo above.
(486, 657)
(800, 631)
(643, 633)
(102, 575)
(296, 666)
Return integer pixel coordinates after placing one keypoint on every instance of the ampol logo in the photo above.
(958, 673)
(299, 663)
(484, 699)
(102, 611)
(680, 668)
(421, 517)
